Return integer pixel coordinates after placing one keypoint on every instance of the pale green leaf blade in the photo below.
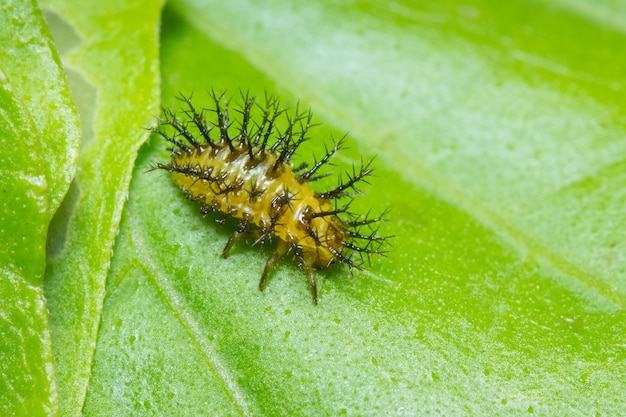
(111, 55)
(27, 386)
(39, 135)
(30, 61)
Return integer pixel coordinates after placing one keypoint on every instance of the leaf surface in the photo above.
(39, 135)
(110, 53)
(499, 131)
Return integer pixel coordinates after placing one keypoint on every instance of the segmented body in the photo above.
(265, 194)
(247, 174)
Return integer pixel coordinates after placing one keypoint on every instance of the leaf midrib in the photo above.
(186, 320)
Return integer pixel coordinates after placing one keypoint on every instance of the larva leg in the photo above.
(237, 236)
(310, 276)
(281, 250)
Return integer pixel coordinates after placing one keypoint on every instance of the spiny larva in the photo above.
(243, 168)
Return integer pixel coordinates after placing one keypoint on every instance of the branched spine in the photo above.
(353, 179)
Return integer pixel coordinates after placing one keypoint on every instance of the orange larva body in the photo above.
(266, 194)
(247, 174)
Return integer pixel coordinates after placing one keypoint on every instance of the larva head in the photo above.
(310, 225)
(332, 244)
(330, 241)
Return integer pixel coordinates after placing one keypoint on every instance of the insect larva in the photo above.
(243, 169)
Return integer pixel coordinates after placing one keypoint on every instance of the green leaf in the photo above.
(499, 131)
(39, 140)
(25, 337)
(111, 55)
